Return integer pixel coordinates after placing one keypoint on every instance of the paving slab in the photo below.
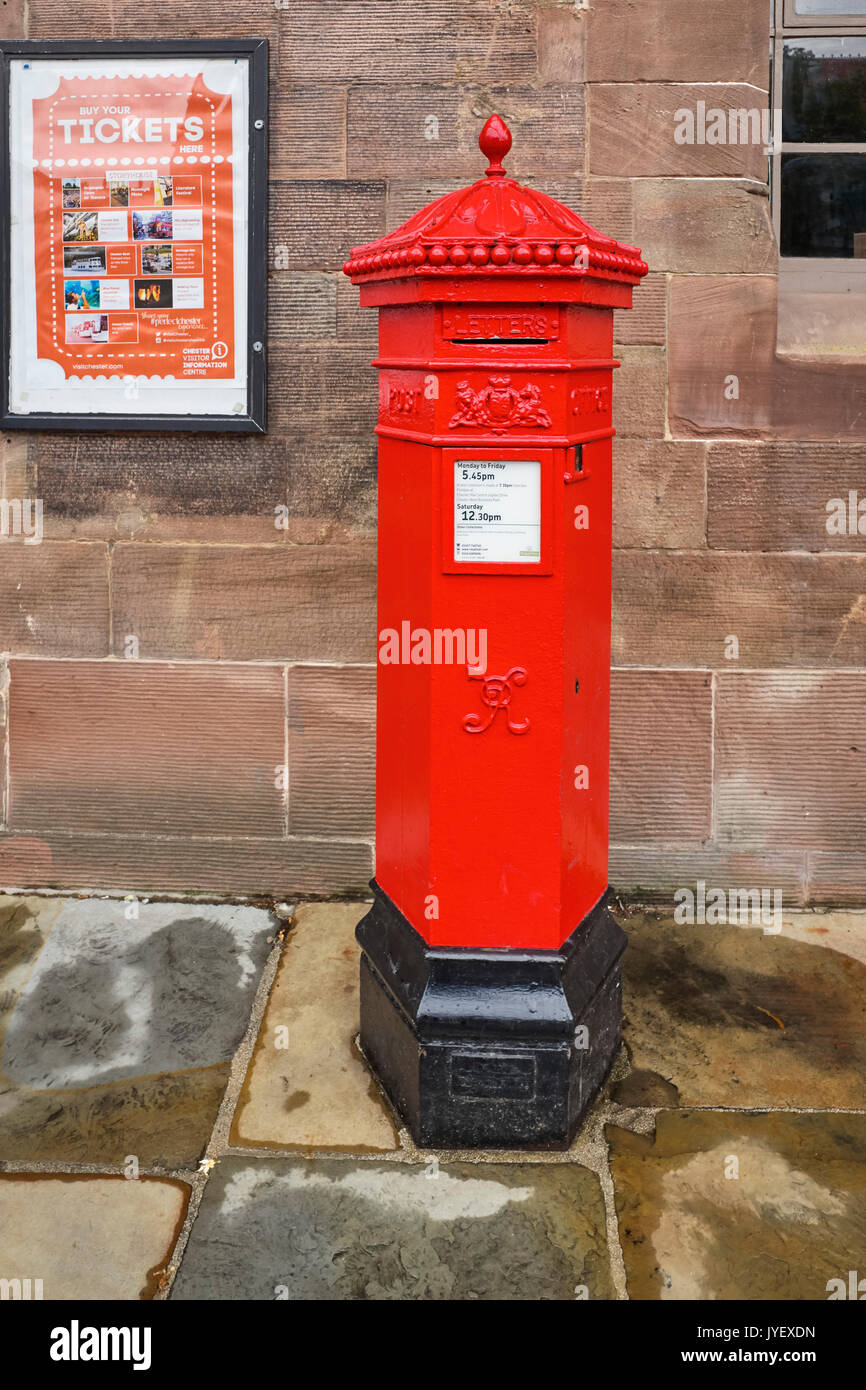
(731, 1016)
(841, 931)
(88, 1237)
(307, 1086)
(721, 1205)
(336, 1229)
(117, 1031)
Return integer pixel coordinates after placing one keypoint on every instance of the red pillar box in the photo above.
(490, 989)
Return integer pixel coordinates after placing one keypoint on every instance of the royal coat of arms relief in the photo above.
(499, 406)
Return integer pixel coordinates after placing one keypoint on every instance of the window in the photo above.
(812, 14)
(819, 164)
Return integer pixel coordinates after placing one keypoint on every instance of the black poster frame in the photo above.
(255, 52)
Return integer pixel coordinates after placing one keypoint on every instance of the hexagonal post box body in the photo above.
(490, 968)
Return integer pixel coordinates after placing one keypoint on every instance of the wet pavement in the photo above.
(717, 1205)
(119, 1021)
(337, 1229)
(184, 1113)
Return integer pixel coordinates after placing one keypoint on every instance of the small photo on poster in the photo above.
(164, 191)
(80, 294)
(80, 226)
(156, 260)
(151, 226)
(87, 328)
(84, 260)
(112, 225)
(119, 193)
(153, 294)
(71, 193)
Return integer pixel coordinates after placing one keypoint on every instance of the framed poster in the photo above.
(133, 234)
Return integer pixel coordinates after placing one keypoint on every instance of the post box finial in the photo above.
(495, 142)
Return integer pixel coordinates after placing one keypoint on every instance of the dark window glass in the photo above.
(824, 90)
(823, 204)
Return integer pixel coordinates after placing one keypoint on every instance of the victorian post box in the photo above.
(490, 974)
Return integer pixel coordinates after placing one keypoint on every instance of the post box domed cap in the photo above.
(496, 226)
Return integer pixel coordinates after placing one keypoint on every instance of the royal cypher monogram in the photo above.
(499, 406)
(496, 695)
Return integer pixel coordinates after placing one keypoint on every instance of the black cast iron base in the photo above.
(484, 1048)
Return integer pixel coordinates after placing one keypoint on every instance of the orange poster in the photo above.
(136, 212)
